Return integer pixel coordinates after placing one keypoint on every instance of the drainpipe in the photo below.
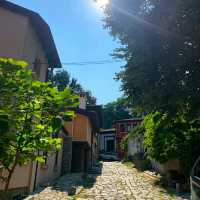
(49, 74)
(36, 171)
(72, 128)
(92, 134)
(52, 73)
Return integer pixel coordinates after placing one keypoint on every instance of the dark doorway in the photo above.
(110, 145)
(80, 158)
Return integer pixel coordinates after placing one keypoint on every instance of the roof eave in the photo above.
(42, 29)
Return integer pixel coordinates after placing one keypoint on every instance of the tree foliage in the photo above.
(168, 138)
(160, 42)
(115, 110)
(161, 45)
(30, 112)
(62, 79)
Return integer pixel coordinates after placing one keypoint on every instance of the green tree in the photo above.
(115, 110)
(30, 112)
(75, 86)
(62, 79)
(91, 100)
(161, 44)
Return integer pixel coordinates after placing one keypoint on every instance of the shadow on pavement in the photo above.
(162, 182)
(73, 183)
(143, 166)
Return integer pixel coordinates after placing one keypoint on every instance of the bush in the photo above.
(172, 137)
(124, 143)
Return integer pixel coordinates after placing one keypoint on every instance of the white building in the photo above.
(107, 141)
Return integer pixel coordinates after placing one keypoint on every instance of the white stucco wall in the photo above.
(19, 40)
(20, 178)
(32, 50)
(135, 146)
(12, 34)
(49, 172)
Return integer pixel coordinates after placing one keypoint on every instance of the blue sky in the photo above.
(78, 32)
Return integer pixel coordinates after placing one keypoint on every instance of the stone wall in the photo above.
(165, 169)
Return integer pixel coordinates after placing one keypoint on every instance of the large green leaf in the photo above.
(29, 114)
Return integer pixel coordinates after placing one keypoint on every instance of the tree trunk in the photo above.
(10, 173)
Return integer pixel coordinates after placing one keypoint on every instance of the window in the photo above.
(129, 127)
(134, 125)
(122, 127)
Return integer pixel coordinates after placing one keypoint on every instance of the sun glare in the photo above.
(102, 3)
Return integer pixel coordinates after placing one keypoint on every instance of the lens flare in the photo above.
(102, 3)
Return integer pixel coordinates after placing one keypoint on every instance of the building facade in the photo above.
(107, 141)
(79, 132)
(123, 127)
(80, 142)
(80, 150)
(24, 35)
(135, 146)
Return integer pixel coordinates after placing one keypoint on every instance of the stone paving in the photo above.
(116, 182)
(59, 189)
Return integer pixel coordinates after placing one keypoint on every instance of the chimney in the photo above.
(82, 100)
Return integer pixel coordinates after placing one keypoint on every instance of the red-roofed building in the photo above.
(123, 127)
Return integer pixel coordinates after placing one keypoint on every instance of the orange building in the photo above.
(80, 140)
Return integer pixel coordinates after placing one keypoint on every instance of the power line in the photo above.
(99, 62)
(95, 62)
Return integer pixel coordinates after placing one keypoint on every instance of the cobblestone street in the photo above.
(116, 182)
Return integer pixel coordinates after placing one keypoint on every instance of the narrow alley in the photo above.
(116, 182)
(100, 100)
